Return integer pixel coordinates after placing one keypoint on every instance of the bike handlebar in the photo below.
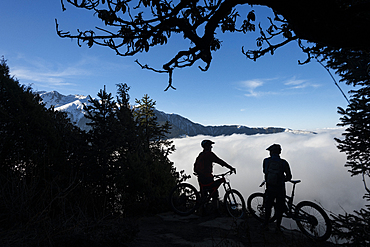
(291, 181)
(224, 174)
(219, 175)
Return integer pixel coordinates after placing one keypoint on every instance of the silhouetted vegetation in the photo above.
(355, 227)
(132, 27)
(353, 67)
(58, 182)
(332, 32)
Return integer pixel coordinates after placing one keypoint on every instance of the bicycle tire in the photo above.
(234, 203)
(255, 204)
(312, 220)
(184, 199)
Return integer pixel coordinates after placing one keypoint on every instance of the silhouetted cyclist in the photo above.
(203, 167)
(277, 172)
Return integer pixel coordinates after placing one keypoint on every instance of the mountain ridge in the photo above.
(181, 126)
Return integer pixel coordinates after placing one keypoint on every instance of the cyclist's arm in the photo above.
(264, 166)
(221, 162)
(288, 173)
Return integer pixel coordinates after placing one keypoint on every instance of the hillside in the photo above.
(181, 126)
(168, 229)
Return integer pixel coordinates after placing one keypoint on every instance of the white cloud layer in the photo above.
(250, 86)
(313, 158)
(298, 84)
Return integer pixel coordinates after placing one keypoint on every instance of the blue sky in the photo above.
(273, 91)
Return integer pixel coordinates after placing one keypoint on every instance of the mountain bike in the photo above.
(185, 199)
(311, 219)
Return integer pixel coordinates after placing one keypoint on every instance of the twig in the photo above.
(333, 80)
(169, 71)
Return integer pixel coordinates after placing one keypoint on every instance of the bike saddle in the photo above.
(295, 181)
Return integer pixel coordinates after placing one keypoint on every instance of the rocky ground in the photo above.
(168, 229)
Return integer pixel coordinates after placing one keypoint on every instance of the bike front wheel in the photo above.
(256, 207)
(313, 221)
(234, 203)
(184, 199)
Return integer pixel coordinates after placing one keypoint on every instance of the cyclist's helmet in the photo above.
(206, 143)
(274, 148)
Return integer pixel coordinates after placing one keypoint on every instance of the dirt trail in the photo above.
(168, 229)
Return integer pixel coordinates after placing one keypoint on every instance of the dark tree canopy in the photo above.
(131, 27)
(60, 184)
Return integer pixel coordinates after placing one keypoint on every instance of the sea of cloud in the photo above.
(313, 158)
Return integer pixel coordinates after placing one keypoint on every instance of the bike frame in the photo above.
(222, 180)
(289, 212)
(185, 198)
(311, 219)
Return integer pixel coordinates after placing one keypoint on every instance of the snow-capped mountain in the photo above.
(181, 126)
(71, 104)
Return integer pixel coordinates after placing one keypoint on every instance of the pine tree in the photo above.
(101, 114)
(126, 123)
(356, 144)
(355, 227)
(129, 155)
(128, 169)
(157, 172)
(101, 169)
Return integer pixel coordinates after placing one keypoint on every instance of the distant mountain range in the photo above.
(181, 126)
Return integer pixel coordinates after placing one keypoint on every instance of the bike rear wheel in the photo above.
(234, 203)
(184, 199)
(256, 207)
(313, 221)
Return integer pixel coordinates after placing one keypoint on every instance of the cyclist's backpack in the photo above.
(275, 172)
(199, 164)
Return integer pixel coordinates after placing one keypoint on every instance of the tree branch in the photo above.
(139, 26)
(169, 72)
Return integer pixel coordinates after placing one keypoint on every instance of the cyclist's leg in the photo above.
(279, 208)
(277, 194)
(212, 188)
(215, 186)
(217, 182)
(204, 184)
(207, 186)
(215, 196)
(269, 201)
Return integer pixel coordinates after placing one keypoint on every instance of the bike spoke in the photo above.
(184, 199)
(313, 221)
(256, 207)
(234, 203)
